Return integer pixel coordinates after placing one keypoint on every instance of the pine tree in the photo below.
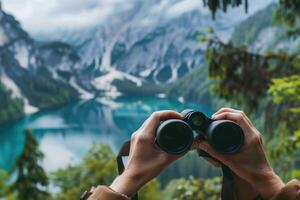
(31, 181)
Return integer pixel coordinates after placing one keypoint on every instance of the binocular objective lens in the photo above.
(175, 137)
(227, 138)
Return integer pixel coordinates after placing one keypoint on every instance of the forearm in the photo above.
(269, 185)
(243, 189)
(126, 185)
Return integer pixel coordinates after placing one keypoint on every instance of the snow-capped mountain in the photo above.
(135, 51)
(152, 42)
(25, 73)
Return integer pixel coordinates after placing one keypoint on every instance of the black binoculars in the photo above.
(176, 136)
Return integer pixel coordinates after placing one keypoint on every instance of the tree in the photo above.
(31, 182)
(215, 5)
(286, 92)
(264, 84)
(289, 14)
(11, 108)
(97, 168)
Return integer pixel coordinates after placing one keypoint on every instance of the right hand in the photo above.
(250, 163)
(146, 160)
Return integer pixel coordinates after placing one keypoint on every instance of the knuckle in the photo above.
(134, 136)
(155, 114)
(240, 117)
(260, 138)
(242, 112)
(223, 108)
(257, 137)
(142, 139)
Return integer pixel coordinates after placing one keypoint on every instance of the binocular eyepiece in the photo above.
(176, 136)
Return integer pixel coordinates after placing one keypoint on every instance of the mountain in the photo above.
(139, 51)
(27, 83)
(260, 33)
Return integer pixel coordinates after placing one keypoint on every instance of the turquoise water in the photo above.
(67, 133)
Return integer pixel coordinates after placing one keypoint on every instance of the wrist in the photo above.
(243, 189)
(269, 185)
(126, 185)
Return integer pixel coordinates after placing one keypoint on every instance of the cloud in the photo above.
(41, 15)
(184, 7)
(50, 15)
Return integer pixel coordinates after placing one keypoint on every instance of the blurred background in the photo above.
(77, 78)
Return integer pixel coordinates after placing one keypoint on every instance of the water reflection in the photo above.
(66, 134)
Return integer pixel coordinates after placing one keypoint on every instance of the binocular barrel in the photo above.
(176, 136)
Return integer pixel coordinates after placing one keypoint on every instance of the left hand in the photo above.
(242, 189)
(145, 159)
(250, 163)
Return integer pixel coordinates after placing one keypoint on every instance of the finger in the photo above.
(203, 145)
(235, 117)
(225, 109)
(153, 121)
(211, 160)
(157, 117)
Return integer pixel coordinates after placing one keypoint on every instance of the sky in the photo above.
(48, 15)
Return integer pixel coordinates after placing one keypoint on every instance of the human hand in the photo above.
(250, 163)
(145, 160)
(242, 189)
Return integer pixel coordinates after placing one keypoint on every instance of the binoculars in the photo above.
(176, 136)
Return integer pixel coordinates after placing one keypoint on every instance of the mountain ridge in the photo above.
(124, 56)
(26, 83)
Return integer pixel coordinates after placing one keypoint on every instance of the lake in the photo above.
(66, 134)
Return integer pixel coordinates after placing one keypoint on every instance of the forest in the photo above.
(266, 85)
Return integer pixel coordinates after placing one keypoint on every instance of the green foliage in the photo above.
(266, 84)
(3, 186)
(31, 182)
(286, 89)
(151, 191)
(190, 164)
(194, 86)
(244, 77)
(45, 92)
(289, 14)
(170, 189)
(200, 189)
(98, 168)
(296, 174)
(11, 108)
(215, 5)
(286, 92)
